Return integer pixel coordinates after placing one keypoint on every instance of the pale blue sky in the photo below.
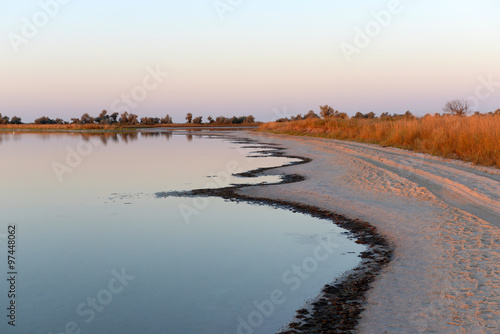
(264, 56)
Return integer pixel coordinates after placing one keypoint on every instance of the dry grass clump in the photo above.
(475, 139)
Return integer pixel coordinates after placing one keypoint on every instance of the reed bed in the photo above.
(474, 139)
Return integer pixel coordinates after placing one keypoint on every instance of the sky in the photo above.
(63, 58)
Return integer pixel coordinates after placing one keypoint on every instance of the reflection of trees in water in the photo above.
(86, 137)
(150, 134)
(6, 136)
(126, 136)
(189, 137)
(43, 136)
(103, 137)
(103, 140)
(106, 137)
(167, 134)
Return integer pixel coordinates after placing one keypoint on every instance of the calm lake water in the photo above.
(97, 252)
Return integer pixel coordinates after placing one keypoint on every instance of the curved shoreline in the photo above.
(340, 303)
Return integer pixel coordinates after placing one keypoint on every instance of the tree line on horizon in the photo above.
(131, 119)
(454, 107)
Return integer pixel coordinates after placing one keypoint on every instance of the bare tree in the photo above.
(457, 107)
(189, 118)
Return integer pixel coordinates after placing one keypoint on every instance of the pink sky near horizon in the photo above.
(253, 62)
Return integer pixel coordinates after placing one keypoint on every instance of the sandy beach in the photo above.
(442, 218)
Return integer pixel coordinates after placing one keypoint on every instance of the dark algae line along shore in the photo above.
(338, 307)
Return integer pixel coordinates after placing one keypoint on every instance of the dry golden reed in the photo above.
(475, 139)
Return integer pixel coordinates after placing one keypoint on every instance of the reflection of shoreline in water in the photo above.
(125, 137)
(105, 137)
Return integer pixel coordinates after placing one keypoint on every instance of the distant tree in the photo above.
(59, 121)
(296, 118)
(222, 120)
(198, 120)
(210, 119)
(86, 119)
(311, 114)
(371, 114)
(128, 119)
(359, 115)
(189, 118)
(343, 115)
(326, 111)
(4, 119)
(123, 118)
(457, 107)
(113, 118)
(103, 117)
(408, 115)
(238, 120)
(16, 120)
(132, 119)
(249, 119)
(150, 120)
(44, 120)
(385, 115)
(166, 120)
